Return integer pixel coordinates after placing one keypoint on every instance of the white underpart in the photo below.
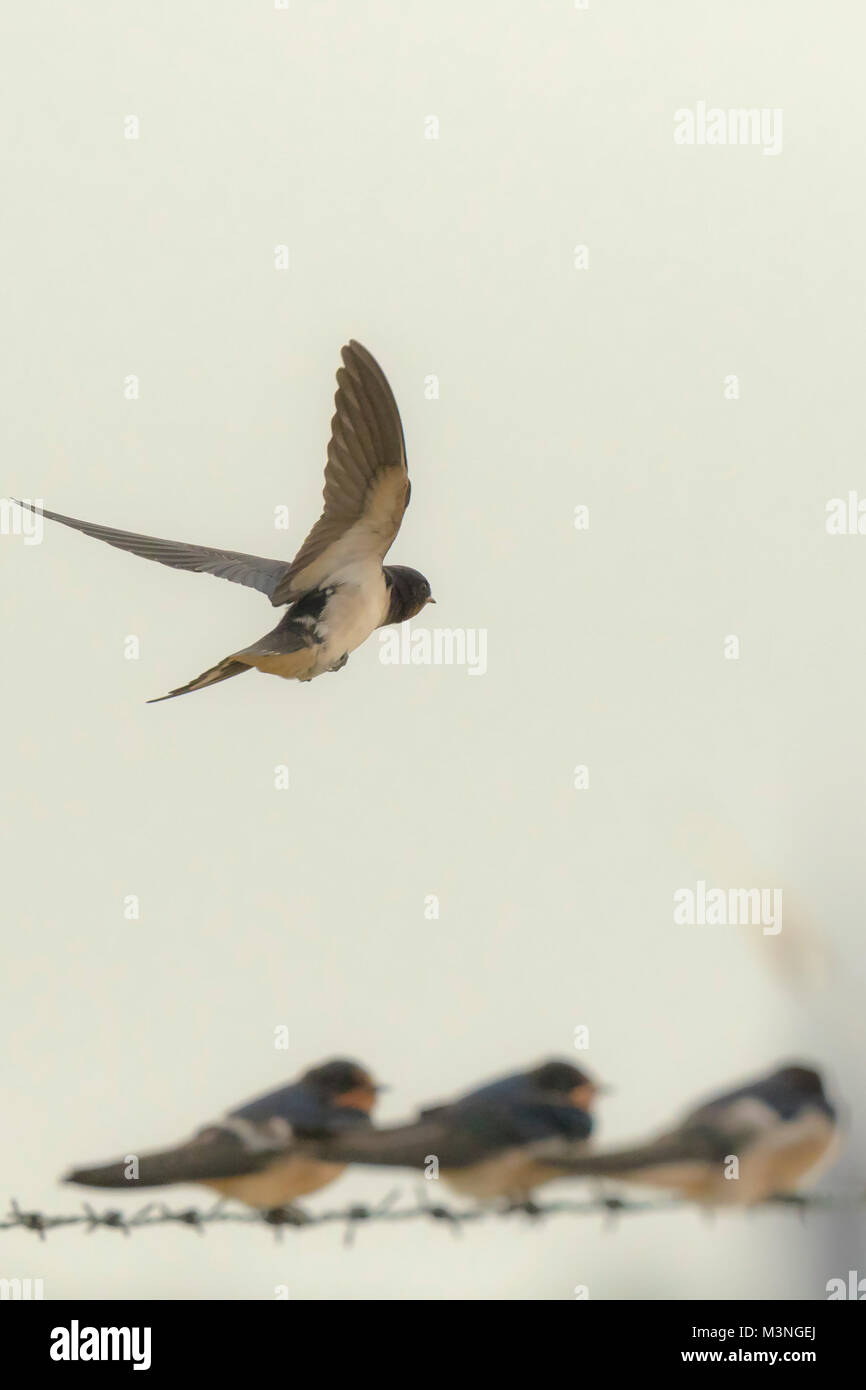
(358, 604)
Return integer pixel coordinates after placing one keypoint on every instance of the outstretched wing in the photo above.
(253, 570)
(366, 493)
(366, 479)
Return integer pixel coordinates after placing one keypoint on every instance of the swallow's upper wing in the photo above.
(743, 1114)
(301, 1107)
(252, 570)
(770, 1098)
(216, 1152)
(366, 479)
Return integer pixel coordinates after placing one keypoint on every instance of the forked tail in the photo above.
(222, 672)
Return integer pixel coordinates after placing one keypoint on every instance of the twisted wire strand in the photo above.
(89, 1219)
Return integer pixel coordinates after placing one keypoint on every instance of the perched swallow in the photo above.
(336, 588)
(486, 1142)
(778, 1128)
(252, 1154)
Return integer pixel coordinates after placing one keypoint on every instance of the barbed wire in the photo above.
(280, 1219)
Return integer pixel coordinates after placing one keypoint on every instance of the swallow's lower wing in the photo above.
(254, 571)
(405, 1146)
(697, 1144)
(214, 1153)
(366, 480)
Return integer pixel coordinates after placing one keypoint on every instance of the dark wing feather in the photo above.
(366, 479)
(214, 1153)
(445, 1136)
(409, 1146)
(693, 1144)
(254, 571)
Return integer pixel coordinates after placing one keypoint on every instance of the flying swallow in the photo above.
(485, 1144)
(337, 590)
(778, 1128)
(252, 1154)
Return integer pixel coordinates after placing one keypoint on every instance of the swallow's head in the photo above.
(341, 1082)
(567, 1082)
(804, 1081)
(408, 593)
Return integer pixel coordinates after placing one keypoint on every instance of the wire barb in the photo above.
(610, 1208)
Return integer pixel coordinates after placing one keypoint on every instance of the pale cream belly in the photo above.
(773, 1164)
(353, 614)
(280, 1184)
(772, 1167)
(513, 1175)
(355, 608)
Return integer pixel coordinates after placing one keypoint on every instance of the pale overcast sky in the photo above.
(598, 378)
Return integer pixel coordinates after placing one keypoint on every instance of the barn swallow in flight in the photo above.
(336, 588)
(486, 1142)
(252, 1154)
(778, 1128)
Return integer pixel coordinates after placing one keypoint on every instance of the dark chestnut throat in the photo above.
(407, 593)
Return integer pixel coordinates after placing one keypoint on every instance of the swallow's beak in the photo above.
(430, 600)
